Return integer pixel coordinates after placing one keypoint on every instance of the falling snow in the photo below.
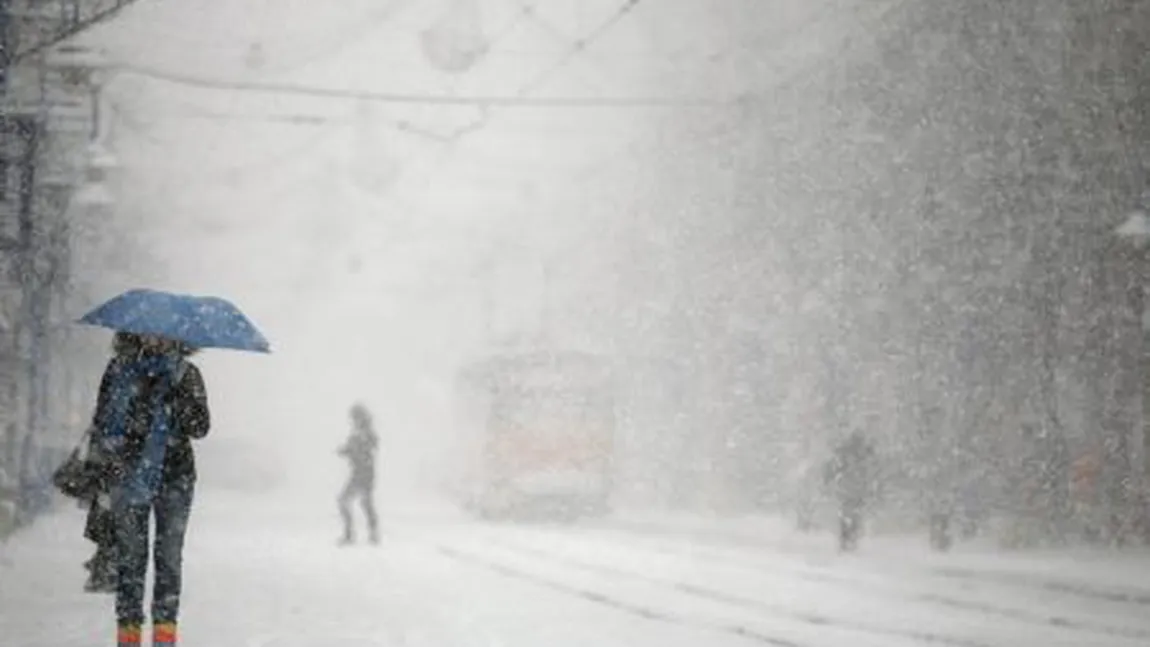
(807, 322)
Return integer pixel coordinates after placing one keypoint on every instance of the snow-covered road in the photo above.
(257, 578)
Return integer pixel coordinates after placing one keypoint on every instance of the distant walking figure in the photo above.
(851, 477)
(360, 450)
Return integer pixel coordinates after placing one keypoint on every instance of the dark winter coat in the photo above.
(190, 419)
(360, 452)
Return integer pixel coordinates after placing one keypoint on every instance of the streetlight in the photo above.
(94, 193)
(1136, 230)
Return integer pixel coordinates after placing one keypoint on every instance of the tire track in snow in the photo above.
(644, 612)
(1008, 613)
(813, 619)
(1020, 580)
(1139, 598)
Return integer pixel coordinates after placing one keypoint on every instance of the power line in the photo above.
(580, 45)
(484, 103)
(516, 100)
(287, 118)
(507, 29)
(453, 138)
(526, 11)
(865, 17)
(543, 25)
(520, 98)
(523, 13)
(577, 47)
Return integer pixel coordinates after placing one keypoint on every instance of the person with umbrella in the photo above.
(359, 450)
(152, 403)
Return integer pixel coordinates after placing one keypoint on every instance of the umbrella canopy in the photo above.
(201, 322)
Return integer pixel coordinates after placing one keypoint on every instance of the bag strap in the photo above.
(181, 371)
(84, 443)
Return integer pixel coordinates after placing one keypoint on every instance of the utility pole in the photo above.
(26, 131)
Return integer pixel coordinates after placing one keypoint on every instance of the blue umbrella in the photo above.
(201, 322)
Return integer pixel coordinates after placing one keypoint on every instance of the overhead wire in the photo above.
(452, 86)
(342, 39)
(191, 112)
(405, 125)
(793, 79)
(452, 139)
(547, 27)
(537, 81)
(505, 31)
(283, 118)
(518, 99)
(579, 45)
(860, 21)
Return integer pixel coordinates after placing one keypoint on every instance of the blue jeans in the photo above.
(172, 507)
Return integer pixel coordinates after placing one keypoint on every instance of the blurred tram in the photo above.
(541, 426)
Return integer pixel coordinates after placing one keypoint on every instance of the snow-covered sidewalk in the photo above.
(266, 572)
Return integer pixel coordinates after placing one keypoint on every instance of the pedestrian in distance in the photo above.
(359, 450)
(851, 475)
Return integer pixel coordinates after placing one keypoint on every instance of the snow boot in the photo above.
(128, 635)
(164, 634)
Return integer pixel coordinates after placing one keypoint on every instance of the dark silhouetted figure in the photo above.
(152, 403)
(850, 475)
(360, 450)
(941, 536)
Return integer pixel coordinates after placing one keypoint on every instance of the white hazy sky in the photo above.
(360, 249)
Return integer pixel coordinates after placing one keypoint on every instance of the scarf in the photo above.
(140, 481)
